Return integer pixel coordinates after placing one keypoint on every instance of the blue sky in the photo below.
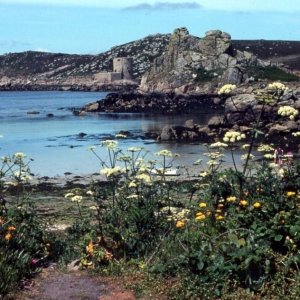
(94, 26)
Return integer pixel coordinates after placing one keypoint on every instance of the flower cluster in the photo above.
(233, 136)
(164, 152)
(288, 111)
(226, 89)
(295, 134)
(218, 145)
(110, 172)
(110, 144)
(277, 86)
(73, 197)
(265, 148)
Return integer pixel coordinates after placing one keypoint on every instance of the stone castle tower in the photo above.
(123, 65)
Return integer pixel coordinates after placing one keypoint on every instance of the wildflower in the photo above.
(287, 111)
(108, 255)
(132, 184)
(93, 207)
(90, 248)
(213, 162)
(202, 204)
(281, 172)
(231, 199)
(291, 193)
(256, 205)
(245, 146)
(243, 203)
(246, 156)
(218, 145)
(19, 155)
(218, 211)
(278, 86)
(296, 133)
(200, 217)
(219, 218)
(220, 205)
(164, 152)
(265, 148)
(11, 228)
(90, 193)
(108, 172)
(69, 195)
(233, 136)
(226, 89)
(76, 198)
(269, 156)
(8, 237)
(203, 174)
(110, 144)
(180, 224)
(133, 196)
(144, 177)
(1, 221)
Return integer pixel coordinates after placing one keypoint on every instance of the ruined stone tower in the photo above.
(123, 65)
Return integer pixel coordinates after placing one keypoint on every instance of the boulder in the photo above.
(216, 122)
(240, 103)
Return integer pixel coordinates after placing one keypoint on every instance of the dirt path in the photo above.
(53, 284)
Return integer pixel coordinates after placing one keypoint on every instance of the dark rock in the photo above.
(50, 115)
(33, 112)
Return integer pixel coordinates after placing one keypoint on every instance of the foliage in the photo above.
(273, 73)
(24, 245)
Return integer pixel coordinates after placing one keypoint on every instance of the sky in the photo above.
(94, 26)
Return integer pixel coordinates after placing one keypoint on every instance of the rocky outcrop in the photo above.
(159, 103)
(189, 61)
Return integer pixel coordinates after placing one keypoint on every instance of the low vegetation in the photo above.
(234, 233)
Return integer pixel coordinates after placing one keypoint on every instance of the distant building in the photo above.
(122, 69)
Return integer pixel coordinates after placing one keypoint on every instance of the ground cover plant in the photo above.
(231, 233)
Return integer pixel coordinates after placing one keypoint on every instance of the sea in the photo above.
(43, 126)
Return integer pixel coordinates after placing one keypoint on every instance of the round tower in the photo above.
(123, 65)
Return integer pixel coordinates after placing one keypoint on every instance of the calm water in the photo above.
(53, 142)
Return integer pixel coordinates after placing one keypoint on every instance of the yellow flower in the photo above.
(256, 204)
(200, 217)
(219, 218)
(218, 211)
(180, 224)
(208, 213)
(243, 203)
(90, 248)
(202, 204)
(226, 89)
(231, 199)
(8, 237)
(290, 193)
(11, 228)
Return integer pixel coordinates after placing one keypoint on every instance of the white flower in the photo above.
(111, 171)
(110, 144)
(226, 89)
(133, 196)
(278, 86)
(144, 177)
(69, 195)
(76, 198)
(233, 136)
(218, 145)
(164, 152)
(90, 193)
(269, 156)
(296, 133)
(245, 156)
(132, 184)
(287, 111)
(265, 148)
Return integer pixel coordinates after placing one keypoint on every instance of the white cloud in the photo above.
(228, 5)
(164, 6)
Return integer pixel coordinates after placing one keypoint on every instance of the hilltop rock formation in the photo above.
(190, 61)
